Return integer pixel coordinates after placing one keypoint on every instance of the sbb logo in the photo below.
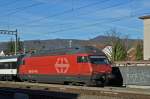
(62, 65)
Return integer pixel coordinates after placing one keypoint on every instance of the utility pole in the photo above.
(15, 33)
(70, 43)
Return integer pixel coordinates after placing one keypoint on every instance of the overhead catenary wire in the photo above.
(14, 11)
(93, 24)
(75, 9)
(62, 13)
(89, 25)
(9, 3)
(11, 12)
(116, 5)
(110, 7)
(103, 23)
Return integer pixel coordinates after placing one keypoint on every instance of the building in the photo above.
(108, 51)
(146, 36)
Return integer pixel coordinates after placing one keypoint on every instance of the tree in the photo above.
(119, 46)
(119, 52)
(139, 51)
(20, 45)
(11, 46)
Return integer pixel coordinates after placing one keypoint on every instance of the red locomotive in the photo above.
(83, 65)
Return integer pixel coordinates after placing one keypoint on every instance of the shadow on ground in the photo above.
(13, 93)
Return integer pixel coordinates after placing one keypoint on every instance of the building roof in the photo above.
(145, 17)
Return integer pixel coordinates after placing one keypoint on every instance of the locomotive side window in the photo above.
(82, 59)
(8, 65)
(99, 60)
(13, 65)
(4, 66)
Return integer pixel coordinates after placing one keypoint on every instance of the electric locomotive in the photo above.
(84, 65)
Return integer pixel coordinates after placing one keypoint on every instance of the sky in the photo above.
(72, 19)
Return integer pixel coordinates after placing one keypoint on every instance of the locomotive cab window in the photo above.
(99, 60)
(82, 59)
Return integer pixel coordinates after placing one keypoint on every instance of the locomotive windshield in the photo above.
(99, 60)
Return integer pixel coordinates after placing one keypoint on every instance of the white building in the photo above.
(2, 53)
(108, 51)
(146, 36)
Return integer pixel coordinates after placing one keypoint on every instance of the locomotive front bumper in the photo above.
(102, 77)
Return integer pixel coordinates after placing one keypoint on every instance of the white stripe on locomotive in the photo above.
(9, 60)
(8, 71)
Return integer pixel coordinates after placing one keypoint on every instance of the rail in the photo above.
(73, 92)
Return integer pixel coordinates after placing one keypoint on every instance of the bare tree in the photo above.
(119, 47)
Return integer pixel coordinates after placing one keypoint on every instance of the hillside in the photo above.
(99, 41)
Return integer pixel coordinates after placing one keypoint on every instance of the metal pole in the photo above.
(12, 33)
(15, 48)
(16, 42)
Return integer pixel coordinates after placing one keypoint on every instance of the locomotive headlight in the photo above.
(103, 77)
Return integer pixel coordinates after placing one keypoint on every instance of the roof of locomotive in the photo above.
(8, 57)
(73, 50)
(11, 58)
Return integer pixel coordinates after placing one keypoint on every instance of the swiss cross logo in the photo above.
(62, 65)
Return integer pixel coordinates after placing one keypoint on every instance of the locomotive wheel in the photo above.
(88, 84)
(7, 78)
(100, 84)
(71, 83)
(74, 83)
(66, 83)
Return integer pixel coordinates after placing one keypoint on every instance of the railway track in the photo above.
(72, 92)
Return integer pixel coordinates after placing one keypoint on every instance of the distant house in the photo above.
(2, 53)
(131, 54)
(108, 51)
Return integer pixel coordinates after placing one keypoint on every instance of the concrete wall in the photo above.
(133, 75)
(146, 39)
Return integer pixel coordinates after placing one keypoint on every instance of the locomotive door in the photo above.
(82, 64)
